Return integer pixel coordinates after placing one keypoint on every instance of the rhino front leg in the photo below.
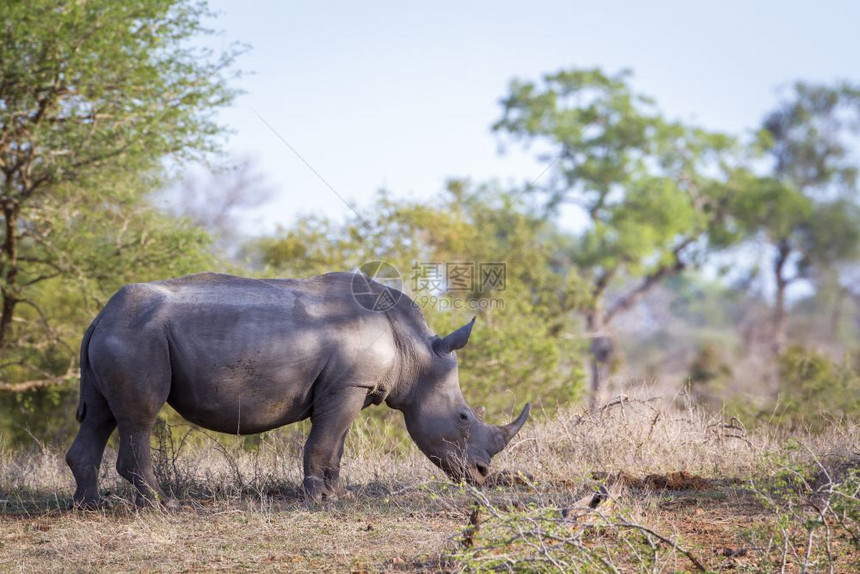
(332, 472)
(330, 421)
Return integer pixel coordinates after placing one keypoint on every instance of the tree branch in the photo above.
(35, 384)
(602, 282)
(41, 278)
(627, 301)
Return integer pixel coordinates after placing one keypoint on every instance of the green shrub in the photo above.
(708, 374)
(814, 390)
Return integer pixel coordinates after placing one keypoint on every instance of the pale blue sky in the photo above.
(401, 96)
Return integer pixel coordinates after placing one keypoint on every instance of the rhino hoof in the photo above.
(86, 505)
(316, 491)
(89, 502)
(321, 497)
(339, 494)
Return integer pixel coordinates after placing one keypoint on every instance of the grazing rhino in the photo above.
(241, 356)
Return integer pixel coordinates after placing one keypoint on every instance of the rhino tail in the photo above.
(86, 372)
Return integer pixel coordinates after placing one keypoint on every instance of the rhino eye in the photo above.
(464, 416)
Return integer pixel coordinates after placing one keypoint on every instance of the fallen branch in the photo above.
(646, 530)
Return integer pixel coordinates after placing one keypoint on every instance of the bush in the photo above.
(708, 375)
(815, 390)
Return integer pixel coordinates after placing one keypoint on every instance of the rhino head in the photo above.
(444, 427)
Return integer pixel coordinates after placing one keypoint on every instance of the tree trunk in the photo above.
(9, 286)
(594, 391)
(836, 313)
(780, 318)
(600, 352)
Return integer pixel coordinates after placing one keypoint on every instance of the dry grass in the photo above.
(242, 509)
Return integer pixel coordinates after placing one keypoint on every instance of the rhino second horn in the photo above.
(509, 431)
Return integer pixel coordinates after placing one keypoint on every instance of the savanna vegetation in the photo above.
(680, 303)
(634, 486)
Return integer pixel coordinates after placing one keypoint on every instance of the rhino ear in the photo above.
(454, 341)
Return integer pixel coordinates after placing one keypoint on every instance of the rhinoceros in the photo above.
(240, 355)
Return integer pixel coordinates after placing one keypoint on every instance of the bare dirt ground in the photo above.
(636, 487)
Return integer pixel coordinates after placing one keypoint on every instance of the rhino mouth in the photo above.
(482, 469)
(477, 474)
(474, 473)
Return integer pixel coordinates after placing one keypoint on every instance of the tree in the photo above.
(96, 98)
(806, 207)
(649, 190)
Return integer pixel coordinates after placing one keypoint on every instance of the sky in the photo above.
(401, 96)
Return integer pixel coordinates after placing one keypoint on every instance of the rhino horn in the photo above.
(506, 432)
(455, 340)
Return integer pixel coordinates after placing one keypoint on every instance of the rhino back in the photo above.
(247, 355)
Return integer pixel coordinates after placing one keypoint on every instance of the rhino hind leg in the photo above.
(85, 455)
(135, 381)
(134, 463)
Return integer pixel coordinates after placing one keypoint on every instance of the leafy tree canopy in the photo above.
(651, 189)
(804, 206)
(96, 98)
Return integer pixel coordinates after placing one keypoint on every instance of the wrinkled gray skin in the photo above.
(242, 356)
